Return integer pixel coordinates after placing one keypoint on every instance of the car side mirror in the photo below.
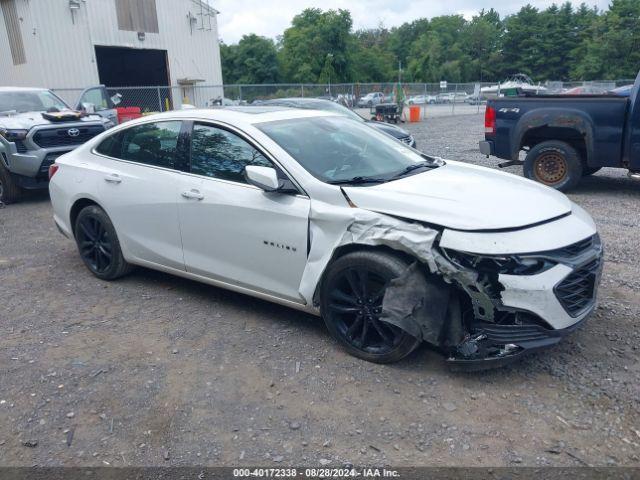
(265, 178)
(116, 99)
(89, 108)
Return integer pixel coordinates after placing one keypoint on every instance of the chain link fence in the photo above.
(434, 98)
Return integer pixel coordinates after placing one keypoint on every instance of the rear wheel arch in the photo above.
(76, 208)
(573, 127)
(573, 137)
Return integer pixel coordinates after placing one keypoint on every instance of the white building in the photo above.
(78, 43)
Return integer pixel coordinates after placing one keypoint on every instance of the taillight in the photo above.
(490, 120)
(53, 168)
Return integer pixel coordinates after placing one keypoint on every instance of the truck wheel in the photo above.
(555, 164)
(586, 171)
(10, 192)
(351, 302)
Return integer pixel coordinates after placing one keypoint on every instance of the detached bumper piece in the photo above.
(493, 345)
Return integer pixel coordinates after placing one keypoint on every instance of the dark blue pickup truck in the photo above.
(565, 137)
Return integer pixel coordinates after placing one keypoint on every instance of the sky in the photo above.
(270, 18)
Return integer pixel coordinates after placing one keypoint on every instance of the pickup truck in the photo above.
(36, 127)
(565, 137)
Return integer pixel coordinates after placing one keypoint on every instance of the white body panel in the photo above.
(142, 203)
(236, 236)
(539, 238)
(464, 197)
(238, 233)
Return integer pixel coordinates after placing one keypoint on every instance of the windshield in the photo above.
(338, 149)
(30, 101)
(336, 108)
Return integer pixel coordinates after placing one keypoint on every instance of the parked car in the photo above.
(371, 99)
(624, 91)
(327, 106)
(565, 137)
(36, 127)
(585, 90)
(445, 98)
(325, 214)
(423, 99)
(451, 97)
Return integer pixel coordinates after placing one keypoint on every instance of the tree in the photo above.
(558, 43)
(312, 36)
(613, 47)
(253, 60)
(228, 61)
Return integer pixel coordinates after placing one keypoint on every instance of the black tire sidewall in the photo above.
(119, 266)
(379, 262)
(11, 192)
(571, 158)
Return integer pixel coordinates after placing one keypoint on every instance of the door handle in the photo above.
(193, 194)
(113, 178)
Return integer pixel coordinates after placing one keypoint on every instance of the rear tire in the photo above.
(10, 192)
(555, 164)
(98, 244)
(351, 302)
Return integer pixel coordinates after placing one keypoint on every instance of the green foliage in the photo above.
(558, 43)
(317, 41)
(253, 60)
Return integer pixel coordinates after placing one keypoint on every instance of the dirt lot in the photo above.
(156, 370)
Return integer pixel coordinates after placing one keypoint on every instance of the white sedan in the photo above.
(321, 213)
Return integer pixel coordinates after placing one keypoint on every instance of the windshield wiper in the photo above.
(357, 181)
(412, 167)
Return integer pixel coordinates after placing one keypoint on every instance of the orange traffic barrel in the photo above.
(414, 113)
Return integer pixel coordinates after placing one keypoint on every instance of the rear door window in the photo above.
(150, 143)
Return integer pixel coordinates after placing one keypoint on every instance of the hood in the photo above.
(464, 197)
(27, 120)
(390, 129)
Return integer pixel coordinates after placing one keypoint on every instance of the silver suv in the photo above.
(36, 127)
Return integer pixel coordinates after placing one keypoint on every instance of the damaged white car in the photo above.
(323, 214)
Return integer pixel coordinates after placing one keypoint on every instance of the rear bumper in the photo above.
(486, 147)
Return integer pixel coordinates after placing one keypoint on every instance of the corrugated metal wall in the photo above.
(59, 45)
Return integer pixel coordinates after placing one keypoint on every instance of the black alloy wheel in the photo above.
(96, 248)
(98, 244)
(352, 293)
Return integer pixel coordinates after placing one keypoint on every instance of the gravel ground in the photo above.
(157, 370)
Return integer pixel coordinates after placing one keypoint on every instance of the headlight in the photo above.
(13, 135)
(505, 264)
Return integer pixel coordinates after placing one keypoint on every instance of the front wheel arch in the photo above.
(397, 342)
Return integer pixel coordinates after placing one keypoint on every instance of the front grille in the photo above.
(576, 293)
(577, 248)
(49, 159)
(60, 137)
(20, 146)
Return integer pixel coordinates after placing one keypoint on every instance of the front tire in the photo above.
(98, 244)
(10, 192)
(555, 164)
(351, 302)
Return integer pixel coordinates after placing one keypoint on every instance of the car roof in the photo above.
(23, 89)
(296, 101)
(251, 115)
